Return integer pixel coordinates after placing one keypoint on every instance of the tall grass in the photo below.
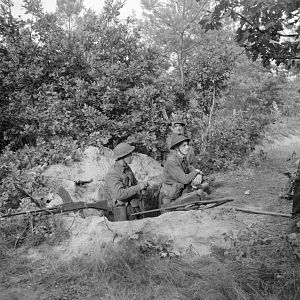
(127, 273)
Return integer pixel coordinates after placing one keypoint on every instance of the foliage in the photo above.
(98, 82)
(290, 93)
(201, 62)
(21, 171)
(93, 83)
(254, 88)
(208, 71)
(173, 26)
(266, 29)
(30, 231)
(231, 139)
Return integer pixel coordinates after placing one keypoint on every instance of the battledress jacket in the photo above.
(191, 157)
(177, 170)
(120, 186)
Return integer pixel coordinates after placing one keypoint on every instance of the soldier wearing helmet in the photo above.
(178, 174)
(177, 127)
(121, 189)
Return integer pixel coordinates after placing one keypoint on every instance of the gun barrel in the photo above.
(66, 207)
(49, 210)
(197, 203)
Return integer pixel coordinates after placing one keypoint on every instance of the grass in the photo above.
(127, 272)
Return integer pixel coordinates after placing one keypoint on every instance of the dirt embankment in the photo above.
(184, 232)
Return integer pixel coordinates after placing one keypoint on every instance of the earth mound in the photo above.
(177, 233)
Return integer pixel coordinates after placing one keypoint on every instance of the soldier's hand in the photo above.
(143, 185)
(198, 179)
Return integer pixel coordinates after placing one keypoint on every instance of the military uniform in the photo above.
(178, 175)
(121, 189)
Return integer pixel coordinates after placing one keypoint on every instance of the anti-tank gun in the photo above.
(190, 201)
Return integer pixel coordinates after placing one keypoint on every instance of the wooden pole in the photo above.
(262, 212)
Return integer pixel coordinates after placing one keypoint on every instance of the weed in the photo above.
(30, 231)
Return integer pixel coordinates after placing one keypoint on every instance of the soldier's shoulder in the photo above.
(113, 171)
(172, 157)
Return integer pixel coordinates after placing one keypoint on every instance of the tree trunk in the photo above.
(180, 60)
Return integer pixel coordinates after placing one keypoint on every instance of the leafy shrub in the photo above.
(21, 171)
(30, 231)
(231, 139)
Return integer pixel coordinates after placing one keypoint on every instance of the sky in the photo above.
(96, 5)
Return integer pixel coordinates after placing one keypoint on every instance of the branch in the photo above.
(256, 27)
(196, 16)
(191, 47)
(211, 110)
(283, 57)
(262, 212)
(288, 35)
(247, 21)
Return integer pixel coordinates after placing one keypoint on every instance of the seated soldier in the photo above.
(177, 127)
(121, 188)
(178, 174)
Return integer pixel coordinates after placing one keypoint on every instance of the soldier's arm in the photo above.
(175, 170)
(119, 191)
(192, 159)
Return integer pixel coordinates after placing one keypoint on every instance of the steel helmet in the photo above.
(178, 139)
(177, 121)
(122, 150)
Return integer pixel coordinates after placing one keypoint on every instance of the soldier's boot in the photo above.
(205, 187)
(203, 195)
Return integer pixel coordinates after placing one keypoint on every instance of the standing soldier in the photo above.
(121, 189)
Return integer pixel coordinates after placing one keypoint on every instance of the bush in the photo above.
(30, 231)
(230, 140)
(21, 171)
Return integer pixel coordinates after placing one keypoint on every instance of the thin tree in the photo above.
(174, 26)
(69, 9)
